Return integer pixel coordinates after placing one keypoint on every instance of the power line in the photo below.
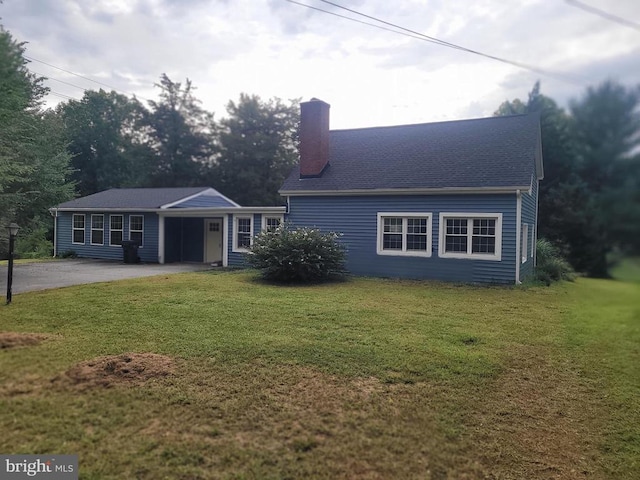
(603, 14)
(437, 41)
(62, 95)
(59, 81)
(82, 76)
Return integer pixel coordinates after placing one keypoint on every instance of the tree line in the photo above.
(589, 198)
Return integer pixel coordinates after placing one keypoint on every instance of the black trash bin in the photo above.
(130, 251)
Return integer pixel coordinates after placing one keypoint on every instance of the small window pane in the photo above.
(456, 226)
(456, 244)
(272, 223)
(417, 242)
(116, 237)
(393, 225)
(483, 245)
(78, 236)
(78, 221)
(135, 222)
(392, 241)
(417, 225)
(116, 222)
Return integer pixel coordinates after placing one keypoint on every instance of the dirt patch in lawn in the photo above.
(125, 369)
(15, 340)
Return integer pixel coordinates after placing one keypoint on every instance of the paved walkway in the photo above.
(28, 277)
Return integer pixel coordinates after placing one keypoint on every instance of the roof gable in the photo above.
(496, 152)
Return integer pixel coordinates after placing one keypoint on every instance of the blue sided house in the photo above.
(167, 224)
(454, 201)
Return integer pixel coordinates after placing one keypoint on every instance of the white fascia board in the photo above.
(405, 191)
(177, 202)
(210, 192)
(217, 211)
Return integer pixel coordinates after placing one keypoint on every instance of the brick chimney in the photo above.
(314, 138)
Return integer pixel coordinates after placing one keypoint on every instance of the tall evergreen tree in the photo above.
(258, 148)
(606, 126)
(589, 200)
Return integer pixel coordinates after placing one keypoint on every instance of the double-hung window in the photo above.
(78, 228)
(406, 234)
(242, 232)
(116, 229)
(270, 223)
(136, 229)
(97, 229)
(471, 235)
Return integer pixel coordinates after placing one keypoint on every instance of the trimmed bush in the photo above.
(298, 255)
(551, 265)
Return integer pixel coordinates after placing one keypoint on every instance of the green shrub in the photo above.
(68, 254)
(551, 265)
(289, 254)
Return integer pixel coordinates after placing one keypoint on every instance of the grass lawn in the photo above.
(367, 379)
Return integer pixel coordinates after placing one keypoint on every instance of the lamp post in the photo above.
(13, 231)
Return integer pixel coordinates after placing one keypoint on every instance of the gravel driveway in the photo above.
(63, 273)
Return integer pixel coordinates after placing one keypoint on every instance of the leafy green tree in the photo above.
(258, 148)
(103, 131)
(34, 163)
(181, 136)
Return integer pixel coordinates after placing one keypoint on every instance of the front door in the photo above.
(213, 240)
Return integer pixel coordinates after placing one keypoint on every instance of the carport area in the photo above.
(29, 277)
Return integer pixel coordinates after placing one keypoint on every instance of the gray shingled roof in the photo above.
(132, 198)
(487, 152)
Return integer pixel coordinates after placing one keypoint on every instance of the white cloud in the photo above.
(371, 77)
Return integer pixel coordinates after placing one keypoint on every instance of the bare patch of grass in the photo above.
(15, 340)
(126, 369)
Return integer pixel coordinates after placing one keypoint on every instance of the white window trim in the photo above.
(533, 239)
(525, 242)
(141, 231)
(73, 228)
(263, 225)
(469, 256)
(96, 229)
(116, 230)
(404, 252)
(234, 247)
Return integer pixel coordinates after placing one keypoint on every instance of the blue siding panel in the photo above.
(356, 218)
(147, 253)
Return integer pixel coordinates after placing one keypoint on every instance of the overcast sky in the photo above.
(370, 77)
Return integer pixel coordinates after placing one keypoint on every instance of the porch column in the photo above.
(160, 239)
